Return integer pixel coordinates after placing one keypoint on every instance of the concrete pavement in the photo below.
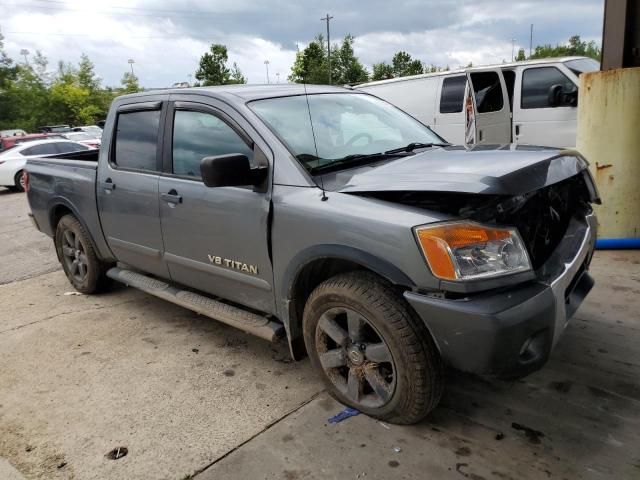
(83, 376)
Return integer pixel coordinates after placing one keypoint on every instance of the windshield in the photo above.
(344, 124)
(582, 65)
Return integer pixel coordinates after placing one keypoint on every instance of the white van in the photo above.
(530, 102)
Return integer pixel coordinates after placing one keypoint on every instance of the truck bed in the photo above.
(68, 180)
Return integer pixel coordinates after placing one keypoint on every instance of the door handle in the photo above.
(108, 185)
(171, 197)
(517, 130)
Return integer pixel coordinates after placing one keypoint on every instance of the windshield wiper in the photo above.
(355, 159)
(413, 145)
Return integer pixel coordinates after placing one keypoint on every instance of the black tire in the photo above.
(85, 271)
(407, 377)
(18, 184)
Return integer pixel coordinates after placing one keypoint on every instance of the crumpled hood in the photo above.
(499, 170)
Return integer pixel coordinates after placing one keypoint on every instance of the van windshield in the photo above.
(344, 124)
(582, 65)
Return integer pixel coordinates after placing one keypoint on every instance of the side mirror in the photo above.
(231, 170)
(555, 95)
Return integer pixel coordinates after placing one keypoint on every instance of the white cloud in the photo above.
(166, 38)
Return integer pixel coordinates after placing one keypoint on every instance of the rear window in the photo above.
(69, 147)
(42, 149)
(136, 140)
(452, 96)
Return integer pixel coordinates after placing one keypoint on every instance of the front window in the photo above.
(344, 124)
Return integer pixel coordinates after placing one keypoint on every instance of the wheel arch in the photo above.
(313, 266)
(58, 209)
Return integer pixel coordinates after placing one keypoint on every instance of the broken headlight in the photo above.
(468, 250)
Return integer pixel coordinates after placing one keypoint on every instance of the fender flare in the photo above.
(341, 252)
(58, 201)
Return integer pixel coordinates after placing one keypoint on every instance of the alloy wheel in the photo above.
(355, 357)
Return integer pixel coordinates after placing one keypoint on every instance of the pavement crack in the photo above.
(50, 317)
(267, 427)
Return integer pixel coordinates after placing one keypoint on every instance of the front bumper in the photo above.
(511, 332)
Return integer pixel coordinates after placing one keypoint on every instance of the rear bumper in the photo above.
(512, 332)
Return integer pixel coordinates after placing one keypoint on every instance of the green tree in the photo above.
(347, 69)
(310, 65)
(236, 76)
(521, 55)
(575, 46)
(86, 74)
(129, 83)
(403, 65)
(213, 69)
(382, 71)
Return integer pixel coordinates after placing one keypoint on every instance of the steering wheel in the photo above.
(353, 139)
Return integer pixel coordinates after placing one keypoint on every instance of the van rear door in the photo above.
(487, 110)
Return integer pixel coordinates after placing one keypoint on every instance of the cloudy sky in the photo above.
(167, 37)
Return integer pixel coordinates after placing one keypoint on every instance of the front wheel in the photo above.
(371, 350)
(85, 271)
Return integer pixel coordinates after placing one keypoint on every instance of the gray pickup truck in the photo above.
(332, 220)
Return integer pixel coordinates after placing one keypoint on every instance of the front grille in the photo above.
(543, 219)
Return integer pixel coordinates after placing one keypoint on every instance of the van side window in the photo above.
(452, 96)
(137, 140)
(488, 91)
(197, 135)
(536, 83)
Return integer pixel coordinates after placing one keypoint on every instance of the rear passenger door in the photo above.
(487, 111)
(127, 186)
(215, 238)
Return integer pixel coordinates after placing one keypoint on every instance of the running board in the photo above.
(249, 322)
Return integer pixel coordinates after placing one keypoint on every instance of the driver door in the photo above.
(487, 110)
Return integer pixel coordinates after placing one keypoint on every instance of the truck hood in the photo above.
(485, 169)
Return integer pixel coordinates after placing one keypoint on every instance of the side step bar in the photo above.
(249, 322)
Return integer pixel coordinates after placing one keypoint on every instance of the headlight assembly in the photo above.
(467, 250)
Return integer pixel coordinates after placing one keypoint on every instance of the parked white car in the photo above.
(531, 102)
(12, 161)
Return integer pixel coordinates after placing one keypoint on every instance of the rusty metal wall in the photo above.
(609, 137)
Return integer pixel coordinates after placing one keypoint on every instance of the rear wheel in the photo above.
(85, 271)
(18, 182)
(370, 349)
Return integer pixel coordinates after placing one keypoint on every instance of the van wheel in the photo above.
(85, 271)
(371, 350)
(18, 182)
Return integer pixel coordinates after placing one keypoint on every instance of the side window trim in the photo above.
(139, 107)
(174, 106)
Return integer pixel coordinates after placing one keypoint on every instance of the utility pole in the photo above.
(326, 19)
(531, 40)
(24, 52)
(513, 46)
(131, 61)
(266, 64)
(190, 76)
